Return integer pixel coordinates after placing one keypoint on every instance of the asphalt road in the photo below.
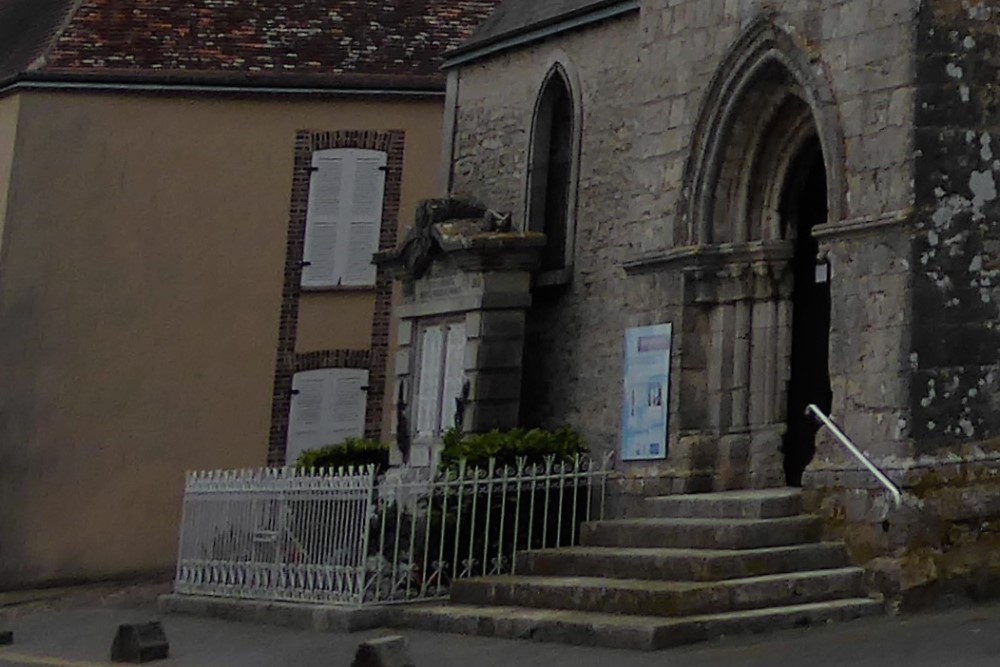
(82, 638)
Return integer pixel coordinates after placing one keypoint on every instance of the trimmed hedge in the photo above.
(357, 452)
(509, 446)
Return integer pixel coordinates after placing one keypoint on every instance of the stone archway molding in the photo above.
(762, 44)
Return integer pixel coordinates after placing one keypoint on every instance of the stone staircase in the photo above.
(699, 567)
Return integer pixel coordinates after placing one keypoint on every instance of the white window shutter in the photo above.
(367, 193)
(324, 219)
(305, 419)
(327, 407)
(344, 218)
(454, 373)
(429, 383)
(348, 400)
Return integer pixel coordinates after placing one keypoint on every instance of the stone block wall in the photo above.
(956, 249)
(644, 80)
(582, 322)
(941, 545)
(908, 92)
(863, 51)
(862, 54)
(943, 542)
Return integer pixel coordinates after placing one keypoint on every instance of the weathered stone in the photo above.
(140, 643)
(383, 652)
(682, 564)
(701, 533)
(630, 632)
(683, 212)
(644, 597)
(652, 597)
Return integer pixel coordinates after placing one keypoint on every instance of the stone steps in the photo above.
(692, 533)
(681, 564)
(696, 567)
(766, 504)
(646, 633)
(641, 597)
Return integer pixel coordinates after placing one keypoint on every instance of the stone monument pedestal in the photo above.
(466, 284)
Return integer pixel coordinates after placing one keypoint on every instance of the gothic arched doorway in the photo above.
(804, 206)
(757, 316)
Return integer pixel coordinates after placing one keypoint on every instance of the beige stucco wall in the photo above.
(9, 107)
(320, 320)
(139, 304)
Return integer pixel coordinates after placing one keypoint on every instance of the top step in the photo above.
(762, 504)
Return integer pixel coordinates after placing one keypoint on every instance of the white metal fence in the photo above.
(351, 537)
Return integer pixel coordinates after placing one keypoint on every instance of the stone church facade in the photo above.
(806, 190)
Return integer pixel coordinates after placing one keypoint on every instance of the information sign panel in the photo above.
(647, 387)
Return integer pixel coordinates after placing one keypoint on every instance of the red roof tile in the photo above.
(401, 38)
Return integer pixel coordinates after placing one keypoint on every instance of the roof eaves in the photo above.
(479, 49)
(227, 82)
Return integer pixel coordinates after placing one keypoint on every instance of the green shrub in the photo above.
(357, 452)
(507, 447)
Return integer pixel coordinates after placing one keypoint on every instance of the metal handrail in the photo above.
(858, 454)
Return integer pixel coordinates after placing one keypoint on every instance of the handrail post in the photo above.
(813, 410)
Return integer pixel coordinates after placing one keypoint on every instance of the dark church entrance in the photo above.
(803, 206)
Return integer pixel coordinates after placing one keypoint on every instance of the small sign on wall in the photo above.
(647, 388)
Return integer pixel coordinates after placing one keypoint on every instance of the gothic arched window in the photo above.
(551, 178)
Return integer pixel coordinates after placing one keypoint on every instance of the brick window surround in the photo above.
(288, 362)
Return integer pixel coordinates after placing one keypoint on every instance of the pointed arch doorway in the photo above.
(764, 173)
(804, 206)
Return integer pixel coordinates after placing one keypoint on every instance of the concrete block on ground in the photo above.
(140, 642)
(383, 652)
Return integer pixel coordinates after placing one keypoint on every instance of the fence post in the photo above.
(366, 525)
(181, 541)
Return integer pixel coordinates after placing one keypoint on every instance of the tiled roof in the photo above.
(363, 38)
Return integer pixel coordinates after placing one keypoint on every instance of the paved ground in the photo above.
(76, 631)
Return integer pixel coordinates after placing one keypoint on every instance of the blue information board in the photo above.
(647, 387)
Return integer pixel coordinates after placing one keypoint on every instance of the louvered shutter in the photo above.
(344, 218)
(328, 406)
(324, 219)
(429, 383)
(454, 373)
(367, 192)
(305, 419)
(348, 400)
